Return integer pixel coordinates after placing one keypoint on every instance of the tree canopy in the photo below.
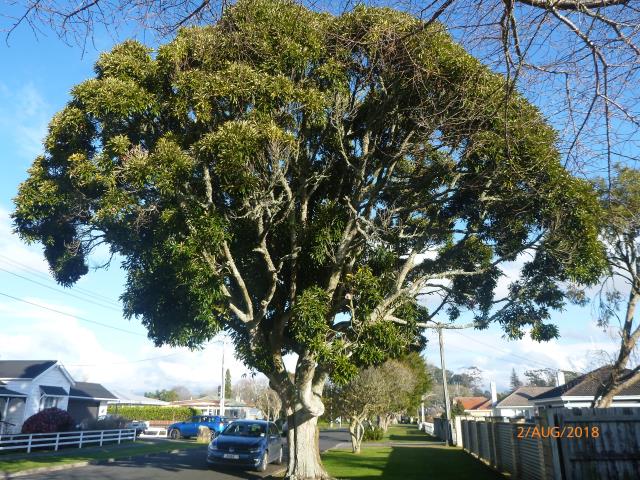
(301, 180)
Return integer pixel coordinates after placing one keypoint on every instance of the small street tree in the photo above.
(300, 180)
(404, 398)
(258, 393)
(376, 392)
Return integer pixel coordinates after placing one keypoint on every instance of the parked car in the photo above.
(140, 427)
(247, 443)
(187, 429)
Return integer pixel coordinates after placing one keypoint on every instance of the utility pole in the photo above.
(222, 392)
(446, 390)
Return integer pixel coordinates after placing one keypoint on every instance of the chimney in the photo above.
(560, 378)
(494, 394)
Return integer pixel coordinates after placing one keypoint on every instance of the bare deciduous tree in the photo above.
(258, 393)
(620, 291)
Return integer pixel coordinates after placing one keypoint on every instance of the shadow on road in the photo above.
(187, 465)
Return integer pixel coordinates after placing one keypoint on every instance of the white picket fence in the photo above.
(79, 439)
(427, 427)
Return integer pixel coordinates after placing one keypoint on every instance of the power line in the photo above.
(58, 290)
(36, 273)
(121, 363)
(507, 352)
(134, 361)
(84, 319)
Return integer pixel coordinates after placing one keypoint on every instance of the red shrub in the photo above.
(49, 420)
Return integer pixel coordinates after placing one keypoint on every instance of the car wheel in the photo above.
(262, 466)
(280, 457)
(174, 434)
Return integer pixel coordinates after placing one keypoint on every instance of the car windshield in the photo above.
(245, 430)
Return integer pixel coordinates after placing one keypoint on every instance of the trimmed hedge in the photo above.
(152, 412)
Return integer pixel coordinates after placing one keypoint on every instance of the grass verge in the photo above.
(79, 455)
(434, 462)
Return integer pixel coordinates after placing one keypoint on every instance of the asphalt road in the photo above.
(187, 464)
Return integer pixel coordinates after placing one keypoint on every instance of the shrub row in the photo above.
(373, 433)
(144, 413)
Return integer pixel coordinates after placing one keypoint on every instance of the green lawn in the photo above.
(434, 462)
(407, 463)
(79, 455)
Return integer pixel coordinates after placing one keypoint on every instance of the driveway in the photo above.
(187, 464)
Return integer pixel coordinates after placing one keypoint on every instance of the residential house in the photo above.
(125, 397)
(210, 405)
(580, 392)
(520, 402)
(28, 386)
(88, 401)
(475, 406)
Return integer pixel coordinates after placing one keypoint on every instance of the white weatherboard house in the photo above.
(520, 402)
(28, 386)
(581, 391)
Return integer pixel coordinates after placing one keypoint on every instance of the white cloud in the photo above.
(24, 115)
(13, 250)
(496, 357)
(94, 354)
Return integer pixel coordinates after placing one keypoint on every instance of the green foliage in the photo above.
(542, 377)
(372, 433)
(308, 324)
(228, 389)
(457, 409)
(164, 395)
(422, 378)
(515, 380)
(269, 174)
(145, 413)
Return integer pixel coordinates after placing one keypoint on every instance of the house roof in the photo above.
(91, 390)
(5, 392)
(522, 396)
(586, 386)
(197, 402)
(473, 403)
(25, 369)
(125, 397)
(210, 401)
(52, 391)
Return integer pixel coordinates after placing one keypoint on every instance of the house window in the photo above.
(48, 402)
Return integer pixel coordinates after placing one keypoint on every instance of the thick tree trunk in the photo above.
(384, 421)
(302, 402)
(304, 449)
(617, 380)
(356, 432)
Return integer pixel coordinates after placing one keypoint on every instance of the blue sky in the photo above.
(39, 73)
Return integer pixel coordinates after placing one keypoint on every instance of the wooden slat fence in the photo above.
(563, 444)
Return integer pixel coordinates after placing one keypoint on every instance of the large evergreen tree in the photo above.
(515, 380)
(228, 389)
(299, 180)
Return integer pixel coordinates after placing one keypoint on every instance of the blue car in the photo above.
(247, 443)
(187, 429)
